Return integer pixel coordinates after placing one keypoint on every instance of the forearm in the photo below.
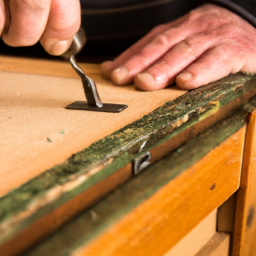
(246, 9)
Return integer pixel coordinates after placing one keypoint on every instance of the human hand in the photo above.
(205, 45)
(53, 22)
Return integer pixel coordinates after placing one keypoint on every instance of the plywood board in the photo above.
(37, 132)
(197, 238)
(218, 246)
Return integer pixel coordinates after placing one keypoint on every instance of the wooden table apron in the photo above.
(150, 213)
(94, 172)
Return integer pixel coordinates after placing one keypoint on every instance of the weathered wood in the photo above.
(161, 131)
(47, 224)
(245, 221)
(152, 212)
(197, 238)
(218, 246)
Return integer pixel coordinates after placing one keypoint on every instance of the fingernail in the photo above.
(57, 47)
(184, 77)
(106, 68)
(118, 75)
(145, 79)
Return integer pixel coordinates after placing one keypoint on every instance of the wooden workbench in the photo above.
(196, 197)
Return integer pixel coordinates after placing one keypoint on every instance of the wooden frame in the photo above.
(152, 212)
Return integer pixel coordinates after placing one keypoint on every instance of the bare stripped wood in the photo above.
(38, 132)
(226, 215)
(196, 239)
(218, 246)
(149, 214)
(59, 68)
(245, 221)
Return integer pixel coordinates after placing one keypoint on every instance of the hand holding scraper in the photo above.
(93, 100)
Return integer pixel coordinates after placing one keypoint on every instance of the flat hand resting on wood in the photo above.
(207, 44)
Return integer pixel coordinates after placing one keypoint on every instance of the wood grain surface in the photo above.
(245, 221)
(39, 133)
(58, 68)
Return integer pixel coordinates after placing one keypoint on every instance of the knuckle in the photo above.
(213, 19)
(189, 42)
(63, 22)
(31, 5)
(224, 53)
(65, 32)
(157, 28)
(192, 16)
(188, 45)
(161, 39)
(163, 63)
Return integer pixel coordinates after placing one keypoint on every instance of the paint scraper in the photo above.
(93, 102)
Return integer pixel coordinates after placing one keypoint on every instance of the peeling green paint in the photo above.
(127, 197)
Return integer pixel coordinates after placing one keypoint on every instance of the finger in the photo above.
(28, 21)
(148, 55)
(164, 71)
(155, 49)
(109, 66)
(3, 16)
(211, 66)
(64, 22)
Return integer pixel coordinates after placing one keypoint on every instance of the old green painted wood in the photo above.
(127, 197)
(122, 146)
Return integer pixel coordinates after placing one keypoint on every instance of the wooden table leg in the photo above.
(244, 239)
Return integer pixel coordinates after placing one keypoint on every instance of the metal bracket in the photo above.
(141, 162)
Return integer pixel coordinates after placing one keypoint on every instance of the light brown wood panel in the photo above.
(218, 246)
(59, 68)
(245, 220)
(196, 239)
(204, 184)
(37, 132)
